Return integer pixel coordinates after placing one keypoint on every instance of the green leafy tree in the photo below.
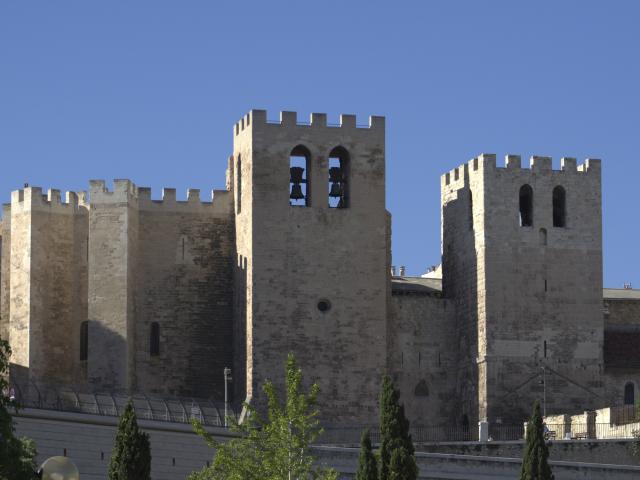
(367, 463)
(535, 464)
(273, 448)
(16, 454)
(397, 459)
(131, 457)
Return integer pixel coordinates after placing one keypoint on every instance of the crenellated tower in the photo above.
(312, 236)
(44, 268)
(522, 261)
(160, 289)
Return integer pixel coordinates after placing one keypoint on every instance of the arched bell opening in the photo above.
(339, 178)
(299, 183)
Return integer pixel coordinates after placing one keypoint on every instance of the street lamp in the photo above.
(227, 379)
(544, 392)
(58, 468)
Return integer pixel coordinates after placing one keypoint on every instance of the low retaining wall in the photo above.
(441, 466)
(176, 451)
(594, 451)
(88, 440)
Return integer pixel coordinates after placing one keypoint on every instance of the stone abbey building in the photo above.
(113, 290)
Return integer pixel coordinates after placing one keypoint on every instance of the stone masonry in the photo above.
(116, 291)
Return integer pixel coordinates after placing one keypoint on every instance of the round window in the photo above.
(324, 305)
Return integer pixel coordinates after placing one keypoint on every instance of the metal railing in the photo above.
(165, 409)
(419, 434)
(497, 432)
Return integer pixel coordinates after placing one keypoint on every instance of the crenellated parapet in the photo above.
(33, 198)
(486, 162)
(316, 121)
(125, 191)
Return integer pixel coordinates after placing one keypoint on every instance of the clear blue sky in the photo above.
(149, 90)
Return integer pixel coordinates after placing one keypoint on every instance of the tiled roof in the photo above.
(434, 285)
(621, 294)
(431, 286)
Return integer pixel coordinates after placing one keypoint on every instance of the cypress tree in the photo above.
(131, 457)
(397, 460)
(367, 463)
(535, 464)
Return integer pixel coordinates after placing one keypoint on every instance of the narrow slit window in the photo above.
(154, 339)
(338, 178)
(526, 206)
(543, 237)
(84, 340)
(299, 191)
(559, 207)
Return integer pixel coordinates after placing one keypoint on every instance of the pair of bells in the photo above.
(335, 177)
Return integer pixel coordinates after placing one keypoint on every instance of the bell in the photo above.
(336, 190)
(296, 192)
(335, 174)
(296, 174)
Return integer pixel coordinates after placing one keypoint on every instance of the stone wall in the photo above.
(299, 256)
(88, 441)
(5, 272)
(486, 462)
(112, 249)
(47, 300)
(463, 283)
(167, 262)
(539, 287)
(184, 282)
(176, 451)
(615, 452)
(421, 360)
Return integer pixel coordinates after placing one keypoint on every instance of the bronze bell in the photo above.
(296, 192)
(335, 174)
(296, 174)
(336, 190)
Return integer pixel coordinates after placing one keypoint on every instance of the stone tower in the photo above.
(44, 284)
(522, 261)
(312, 271)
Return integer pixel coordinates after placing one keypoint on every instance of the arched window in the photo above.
(239, 184)
(154, 339)
(84, 340)
(299, 182)
(526, 206)
(559, 207)
(338, 178)
(629, 394)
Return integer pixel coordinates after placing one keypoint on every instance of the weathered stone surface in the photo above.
(237, 282)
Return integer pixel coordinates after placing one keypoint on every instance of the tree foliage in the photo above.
(131, 457)
(397, 459)
(535, 464)
(273, 448)
(367, 462)
(16, 454)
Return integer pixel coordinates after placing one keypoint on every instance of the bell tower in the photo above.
(522, 261)
(312, 236)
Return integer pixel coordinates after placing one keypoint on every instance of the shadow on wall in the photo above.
(460, 285)
(108, 362)
(238, 390)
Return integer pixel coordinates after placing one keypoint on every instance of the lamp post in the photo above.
(227, 379)
(544, 392)
(58, 468)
